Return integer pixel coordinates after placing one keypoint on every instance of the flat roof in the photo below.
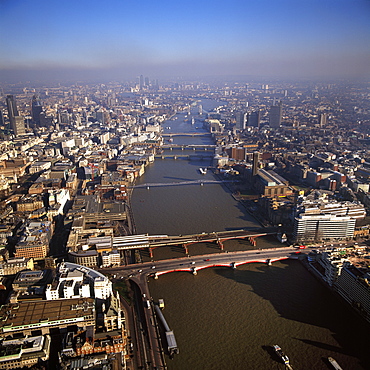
(26, 313)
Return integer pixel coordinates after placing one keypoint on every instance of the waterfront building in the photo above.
(353, 284)
(350, 281)
(323, 227)
(269, 183)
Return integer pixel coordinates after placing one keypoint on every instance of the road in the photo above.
(145, 327)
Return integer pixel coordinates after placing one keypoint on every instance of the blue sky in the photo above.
(191, 38)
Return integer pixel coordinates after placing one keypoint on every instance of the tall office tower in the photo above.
(2, 122)
(256, 160)
(240, 120)
(275, 115)
(36, 109)
(323, 119)
(254, 119)
(146, 81)
(16, 121)
(141, 82)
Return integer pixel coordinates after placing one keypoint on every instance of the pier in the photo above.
(170, 336)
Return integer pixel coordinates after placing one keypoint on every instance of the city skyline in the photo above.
(84, 40)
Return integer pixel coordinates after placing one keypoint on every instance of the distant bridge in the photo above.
(192, 182)
(192, 146)
(186, 134)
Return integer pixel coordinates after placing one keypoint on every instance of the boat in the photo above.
(203, 171)
(281, 354)
(334, 363)
(161, 303)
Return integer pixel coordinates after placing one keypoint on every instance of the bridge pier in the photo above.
(268, 262)
(232, 265)
(186, 248)
(221, 245)
(156, 276)
(252, 241)
(151, 252)
(194, 270)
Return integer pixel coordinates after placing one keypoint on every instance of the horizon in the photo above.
(88, 40)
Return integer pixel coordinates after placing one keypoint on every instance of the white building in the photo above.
(112, 258)
(76, 281)
(323, 227)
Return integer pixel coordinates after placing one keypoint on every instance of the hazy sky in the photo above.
(186, 38)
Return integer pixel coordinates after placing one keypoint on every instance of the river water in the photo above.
(224, 318)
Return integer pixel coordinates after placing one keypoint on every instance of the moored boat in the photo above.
(281, 354)
(334, 363)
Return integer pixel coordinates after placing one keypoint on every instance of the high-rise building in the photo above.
(275, 115)
(16, 121)
(323, 119)
(256, 160)
(36, 109)
(141, 82)
(240, 120)
(254, 119)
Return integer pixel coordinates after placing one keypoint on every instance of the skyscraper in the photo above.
(323, 119)
(16, 121)
(240, 120)
(36, 109)
(256, 160)
(275, 115)
(141, 82)
(254, 119)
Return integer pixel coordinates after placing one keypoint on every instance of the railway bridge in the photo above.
(155, 241)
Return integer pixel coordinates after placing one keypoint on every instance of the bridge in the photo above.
(186, 156)
(186, 134)
(149, 185)
(155, 241)
(191, 146)
(148, 338)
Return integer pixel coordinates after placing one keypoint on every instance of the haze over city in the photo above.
(120, 39)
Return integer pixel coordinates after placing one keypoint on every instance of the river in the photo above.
(225, 318)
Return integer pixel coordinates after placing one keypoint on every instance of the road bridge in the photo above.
(139, 274)
(180, 183)
(172, 134)
(187, 156)
(190, 146)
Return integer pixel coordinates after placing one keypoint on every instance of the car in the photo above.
(193, 263)
(153, 267)
(207, 259)
(139, 270)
